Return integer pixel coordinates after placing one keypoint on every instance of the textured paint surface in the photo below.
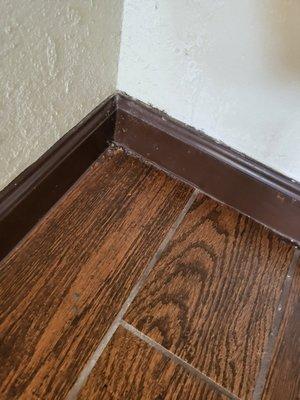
(58, 60)
(231, 68)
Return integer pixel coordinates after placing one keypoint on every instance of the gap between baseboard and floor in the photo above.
(181, 151)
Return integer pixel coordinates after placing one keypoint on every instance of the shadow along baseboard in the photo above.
(222, 173)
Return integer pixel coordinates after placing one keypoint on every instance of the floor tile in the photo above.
(129, 369)
(62, 287)
(283, 380)
(213, 295)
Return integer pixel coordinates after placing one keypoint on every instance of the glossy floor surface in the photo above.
(135, 286)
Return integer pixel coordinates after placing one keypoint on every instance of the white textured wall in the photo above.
(58, 60)
(229, 67)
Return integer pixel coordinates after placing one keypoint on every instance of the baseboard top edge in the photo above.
(118, 109)
(200, 140)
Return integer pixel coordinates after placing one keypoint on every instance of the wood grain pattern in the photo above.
(212, 297)
(283, 381)
(63, 285)
(130, 369)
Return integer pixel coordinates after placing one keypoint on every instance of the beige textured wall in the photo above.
(58, 60)
(229, 67)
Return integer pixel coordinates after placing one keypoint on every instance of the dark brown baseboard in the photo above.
(228, 176)
(27, 199)
(189, 155)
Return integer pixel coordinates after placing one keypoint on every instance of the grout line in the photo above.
(82, 378)
(279, 314)
(177, 360)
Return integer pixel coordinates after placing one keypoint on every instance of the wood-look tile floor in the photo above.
(134, 286)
